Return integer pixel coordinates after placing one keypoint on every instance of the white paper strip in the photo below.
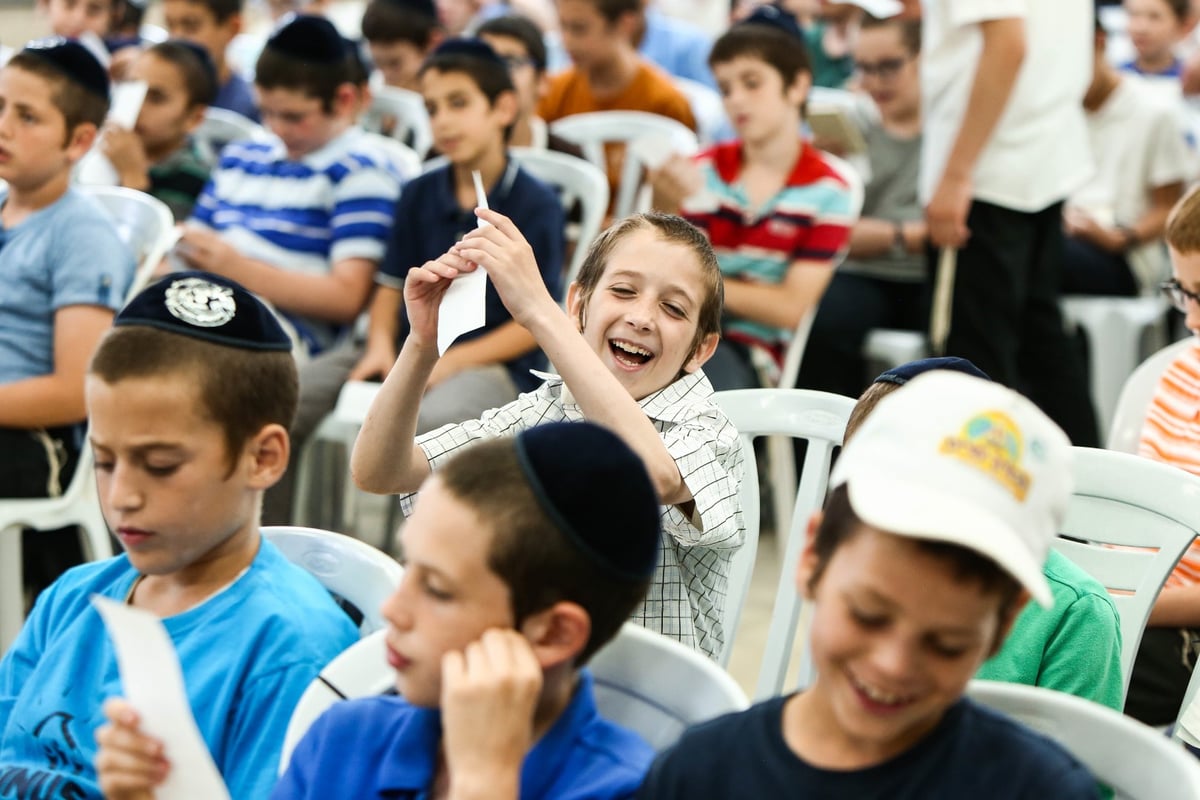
(464, 305)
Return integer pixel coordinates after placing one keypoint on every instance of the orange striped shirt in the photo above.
(1171, 434)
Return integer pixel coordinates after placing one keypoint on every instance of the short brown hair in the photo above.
(910, 30)
(865, 405)
(782, 52)
(241, 390)
(386, 21)
(612, 10)
(78, 105)
(536, 560)
(669, 228)
(275, 70)
(1183, 224)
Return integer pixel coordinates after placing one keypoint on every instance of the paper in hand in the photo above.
(153, 684)
(464, 305)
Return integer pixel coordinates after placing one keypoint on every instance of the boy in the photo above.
(1073, 646)
(159, 156)
(777, 213)
(641, 320)
(72, 19)
(302, 221)
(1156, 27)
(65, 274)
(213, 24)
(942, 511)
(188, 398)
(513, 578)
(399, 35)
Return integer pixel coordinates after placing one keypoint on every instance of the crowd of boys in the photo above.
(547, 509)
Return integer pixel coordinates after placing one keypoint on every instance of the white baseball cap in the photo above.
(880, 9)
(958, 459)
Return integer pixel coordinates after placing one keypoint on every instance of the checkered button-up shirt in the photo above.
(686, 600)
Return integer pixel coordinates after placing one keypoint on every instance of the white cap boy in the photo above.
(958, 459)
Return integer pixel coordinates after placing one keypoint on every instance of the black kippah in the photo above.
(307, 37)
(775, 17)
(206, 306)
(469, 47)
(425, 8)
(595, 490)
(73, 60)
(906, 372)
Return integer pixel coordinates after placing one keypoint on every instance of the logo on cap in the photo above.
(991, 442)
(200, 303)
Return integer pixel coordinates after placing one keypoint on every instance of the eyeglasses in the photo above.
(516, 62)
(1179, 295)
(885, 68)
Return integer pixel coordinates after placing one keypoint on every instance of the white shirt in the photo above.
(686, 600)
(1038, 151)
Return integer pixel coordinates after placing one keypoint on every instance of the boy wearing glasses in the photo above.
(1170, 434)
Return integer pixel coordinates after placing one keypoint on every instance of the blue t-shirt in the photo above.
(679, 48)
(972, 753)
(237, 95)
(428, 220)
(385, 747)
(248, 653)
(65, 254)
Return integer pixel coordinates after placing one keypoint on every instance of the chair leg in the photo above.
(12, 594)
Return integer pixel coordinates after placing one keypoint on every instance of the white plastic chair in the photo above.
(1134, 402)
(889, 348)
(402, 157)
(1137, 761)
(351, 569)
(591, 131)
(820, 418)
(657, 687)
(143, 223)
(1130, 519)
(707, 108)
(406, 110)
(222, 126)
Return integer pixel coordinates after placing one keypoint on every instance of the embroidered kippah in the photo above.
(906, 372)
(206, 306)
(597, 492)
(469, 47)
(73, 60)
(307, 37)
(773, 16)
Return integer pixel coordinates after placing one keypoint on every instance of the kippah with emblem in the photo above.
(595, 490)
(906, 372)
(206, 306)
(470, 47)
(72, 59)
(307, 37)
(773, 16)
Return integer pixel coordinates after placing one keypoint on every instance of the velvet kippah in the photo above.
(906, 372)
(595, 490)
(469, 47)
(307, 37)
(206, 306)
(423, 7)
(74, 60)
(773, 16)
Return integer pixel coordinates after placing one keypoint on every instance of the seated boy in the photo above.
(516, 571)
(642, 319)
(302, 221)
(943, 508)
(72, 19)
(213, 24)
(65, 273)
(159, 156)
(1073, 646)
(399, 35)
(188, 398)
(777, 213)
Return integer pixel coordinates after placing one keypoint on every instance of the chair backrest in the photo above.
(657, 687)
(1136, 395)
(402, 157)
(593, 130)
(1128, 522)
(820, 418)
(350, 569)
(143, 223)
(707, 108)
(400, 114)
(222, 126)
(1138, 762)
(577, 181)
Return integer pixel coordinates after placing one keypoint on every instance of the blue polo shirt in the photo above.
(384, 747)
(428, 220)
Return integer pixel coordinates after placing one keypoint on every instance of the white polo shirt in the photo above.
(1038, 152)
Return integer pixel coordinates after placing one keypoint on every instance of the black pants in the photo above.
(1089, 270)
(40, 464)
(1161, 673)
(1006, 318)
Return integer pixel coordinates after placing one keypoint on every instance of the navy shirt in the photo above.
(384, 747)
(429, 220)
(972, 753)
(237, 96)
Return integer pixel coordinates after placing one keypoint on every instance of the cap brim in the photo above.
(919, 510)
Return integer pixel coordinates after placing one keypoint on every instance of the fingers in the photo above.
(499, 222)
(127, 761)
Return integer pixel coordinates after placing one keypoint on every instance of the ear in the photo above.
(80, 141)
(266, 456)
(557, 634)
(702, 353)
(627, 24)
(195, 116)
(506, 106)
(345, 100)
(542, 86)
(1007, 621)
(234, 22)
(575, 304)
(806, 565)
(797, 92)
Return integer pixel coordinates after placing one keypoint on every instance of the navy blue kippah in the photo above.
(73, 60)
(206, 306)
(307, 37)
(597, 492)
(773, 16)
(906, 372)
(469, 47)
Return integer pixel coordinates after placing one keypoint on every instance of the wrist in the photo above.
(899, 242)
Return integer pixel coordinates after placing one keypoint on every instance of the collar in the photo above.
(551, 753)
(662, 405)
(327, 154)
(728, 157)
(446, 203)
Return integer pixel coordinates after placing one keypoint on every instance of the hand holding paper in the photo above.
(464, 305)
